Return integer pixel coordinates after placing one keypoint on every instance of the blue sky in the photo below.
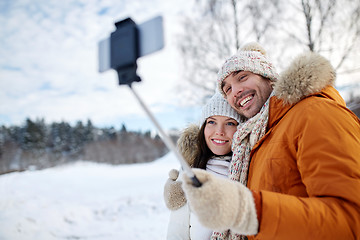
(49, 64)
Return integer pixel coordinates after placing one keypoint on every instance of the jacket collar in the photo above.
(278, 107)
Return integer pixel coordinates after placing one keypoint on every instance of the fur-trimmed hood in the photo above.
(308, 73)
(187, 143)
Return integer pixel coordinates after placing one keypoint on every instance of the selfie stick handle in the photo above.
(168, 142)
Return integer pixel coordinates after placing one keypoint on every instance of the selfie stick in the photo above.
(120, 53)
(168, 142)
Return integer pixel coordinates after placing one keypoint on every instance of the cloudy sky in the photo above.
(49, 64)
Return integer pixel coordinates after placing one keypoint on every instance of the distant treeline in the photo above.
(37, 145)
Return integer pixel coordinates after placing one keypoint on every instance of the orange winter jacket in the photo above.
(307, 166)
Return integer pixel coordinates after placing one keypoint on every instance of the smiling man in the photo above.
(296, 158)
(246, 92)
(246, 80)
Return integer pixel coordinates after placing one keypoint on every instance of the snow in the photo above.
(86, 200)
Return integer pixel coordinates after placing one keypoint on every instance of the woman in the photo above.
(207, 148)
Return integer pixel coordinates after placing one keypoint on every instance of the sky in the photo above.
(86, 200)
(49, 64)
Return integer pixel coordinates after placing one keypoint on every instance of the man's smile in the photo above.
(244, 101)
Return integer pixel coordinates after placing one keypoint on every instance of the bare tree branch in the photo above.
(236, 25)
(216, 29)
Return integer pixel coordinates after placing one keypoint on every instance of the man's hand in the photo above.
(221, 204)
(174, 196)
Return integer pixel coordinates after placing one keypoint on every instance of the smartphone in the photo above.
(151, 39)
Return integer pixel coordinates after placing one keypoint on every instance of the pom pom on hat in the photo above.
(218, 106)
(252, 58)
(255, 47)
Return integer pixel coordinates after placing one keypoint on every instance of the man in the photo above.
(297, 153)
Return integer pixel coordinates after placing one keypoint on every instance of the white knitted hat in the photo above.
(218, 106)
(252, 58)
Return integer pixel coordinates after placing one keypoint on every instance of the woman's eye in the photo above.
(211, 122)
(231, 124)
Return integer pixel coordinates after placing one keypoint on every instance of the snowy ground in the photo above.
(86, 201)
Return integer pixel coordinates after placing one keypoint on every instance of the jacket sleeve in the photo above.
(327, 146)
(179, 224)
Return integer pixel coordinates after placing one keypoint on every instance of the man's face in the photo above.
(246, 92)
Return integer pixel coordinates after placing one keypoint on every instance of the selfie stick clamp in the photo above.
(123, 56)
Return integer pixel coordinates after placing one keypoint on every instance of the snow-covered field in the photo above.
(86, 201)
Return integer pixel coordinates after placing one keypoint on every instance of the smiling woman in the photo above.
(218, 133)
(219, 122)
(208, 148)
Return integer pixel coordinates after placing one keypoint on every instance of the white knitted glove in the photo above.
(222, 204)
(174, 196)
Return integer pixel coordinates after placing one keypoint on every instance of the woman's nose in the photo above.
(220, 131)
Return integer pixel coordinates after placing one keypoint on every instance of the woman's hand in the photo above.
(174, 196)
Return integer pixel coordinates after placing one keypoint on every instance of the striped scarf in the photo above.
(246, 136)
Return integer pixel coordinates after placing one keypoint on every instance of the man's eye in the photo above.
(242, 77)
(227, 89)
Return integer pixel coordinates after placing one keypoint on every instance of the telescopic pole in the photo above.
(168, 142)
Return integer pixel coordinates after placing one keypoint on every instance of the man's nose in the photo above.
(237, 89)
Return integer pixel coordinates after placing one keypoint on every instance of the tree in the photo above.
(78, 137)
(60, 137)
(123, 129)
(89, 131)
(216, 29)
(331, 28)
(34, 135)
(3, 136)
(213, 32)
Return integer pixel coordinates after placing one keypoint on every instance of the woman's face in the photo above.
(218, 133)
